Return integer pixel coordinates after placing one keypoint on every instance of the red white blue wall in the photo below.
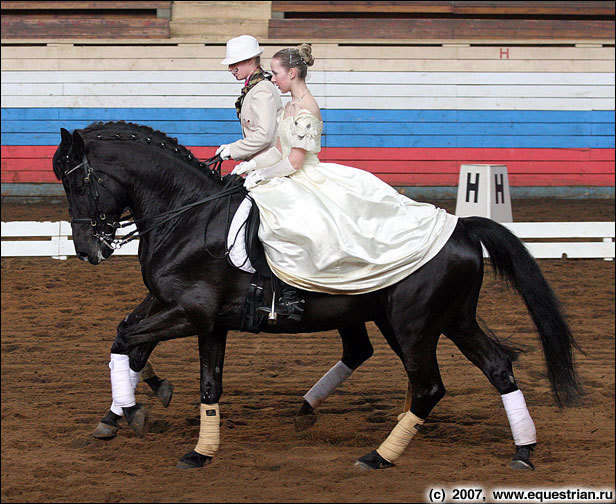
(412, 118)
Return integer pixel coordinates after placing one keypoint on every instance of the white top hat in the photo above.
(241, 48)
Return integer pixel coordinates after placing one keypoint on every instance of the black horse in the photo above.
(181, 209)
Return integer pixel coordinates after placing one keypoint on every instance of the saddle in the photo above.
(254, 247)
(246, 252)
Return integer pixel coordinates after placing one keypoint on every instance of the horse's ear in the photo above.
(67, 139)
(79, 148)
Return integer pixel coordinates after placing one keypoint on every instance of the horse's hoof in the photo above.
(305, 417)
(525, 465)
(108, 427)
(164, 392)
(193, 460)
(105, 431)
(521, 458)
(372, 461)
(304, 422)
(137, 418)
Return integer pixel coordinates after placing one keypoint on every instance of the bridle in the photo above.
(101, 227)
(104, 230)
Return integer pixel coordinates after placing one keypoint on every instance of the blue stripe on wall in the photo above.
(417, 141)
(339, 128)
(329, 115)
(343, 128)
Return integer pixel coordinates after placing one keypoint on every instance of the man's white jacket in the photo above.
(259, 120)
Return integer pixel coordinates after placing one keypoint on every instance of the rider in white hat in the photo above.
(258, 106)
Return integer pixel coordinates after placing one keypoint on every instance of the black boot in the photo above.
(288, 305)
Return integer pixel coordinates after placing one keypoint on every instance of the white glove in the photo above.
(267, 158)
(252, 180)
(244, 167)
(224, 151)
(256, 177)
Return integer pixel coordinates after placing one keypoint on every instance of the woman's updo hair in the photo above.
(299, 57)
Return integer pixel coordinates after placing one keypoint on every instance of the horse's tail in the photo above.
(512, 262)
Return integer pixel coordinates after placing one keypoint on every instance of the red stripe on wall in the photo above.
(468, 155)
(400, 167)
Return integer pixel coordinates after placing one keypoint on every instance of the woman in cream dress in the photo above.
(327, 227)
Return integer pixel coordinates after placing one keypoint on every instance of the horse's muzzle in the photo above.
(95, 258)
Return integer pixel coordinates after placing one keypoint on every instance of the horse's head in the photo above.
(93, 204)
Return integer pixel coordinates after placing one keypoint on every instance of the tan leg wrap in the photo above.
(209, 432)
(147, 372)
(400, 437)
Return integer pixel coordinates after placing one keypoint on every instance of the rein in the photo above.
(98, 219)
(172, 214)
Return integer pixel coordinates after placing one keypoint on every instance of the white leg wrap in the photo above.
(327, 384)
(122, 390)
(134, 381)
(209, 432)
(522, 426)
(400, 437)
(116, 409)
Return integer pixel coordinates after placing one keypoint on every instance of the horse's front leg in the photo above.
(211, 355)
(108, 426)
(356, 349)
(167, 323)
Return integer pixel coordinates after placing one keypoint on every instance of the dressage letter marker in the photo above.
(484, 190)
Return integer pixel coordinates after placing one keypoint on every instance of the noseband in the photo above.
(104, 230)
(101, 227)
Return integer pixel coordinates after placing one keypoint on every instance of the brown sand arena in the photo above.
(59, 319)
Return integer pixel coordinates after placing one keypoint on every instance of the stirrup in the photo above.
(290, 309)
(272, 318)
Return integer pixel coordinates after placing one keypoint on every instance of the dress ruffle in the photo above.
(341, 230)
(306, 132)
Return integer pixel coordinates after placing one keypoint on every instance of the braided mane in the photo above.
(115, 130)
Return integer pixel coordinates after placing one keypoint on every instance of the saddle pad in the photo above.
(236, 239)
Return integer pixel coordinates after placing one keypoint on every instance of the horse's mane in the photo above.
(115, 130)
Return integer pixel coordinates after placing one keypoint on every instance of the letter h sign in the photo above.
(484, 190)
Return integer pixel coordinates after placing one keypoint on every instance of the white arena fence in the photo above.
(545, 240)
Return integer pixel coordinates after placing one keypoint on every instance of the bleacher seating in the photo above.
(442, 20)
(105, 20)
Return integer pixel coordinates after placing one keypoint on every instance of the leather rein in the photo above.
(105, 230)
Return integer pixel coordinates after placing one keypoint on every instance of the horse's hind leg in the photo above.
(356, 349)
(420, 363)
(494, 360)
